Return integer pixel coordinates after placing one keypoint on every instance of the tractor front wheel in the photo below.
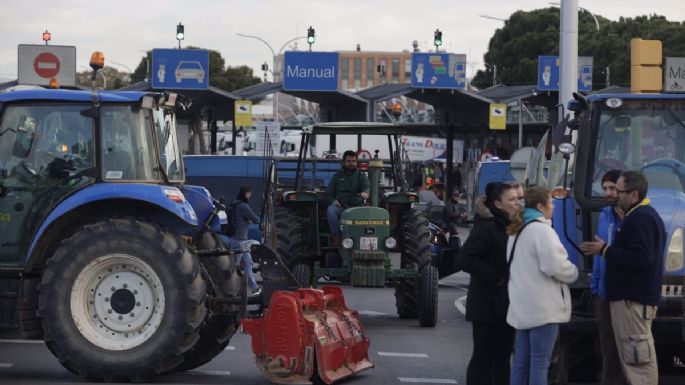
(121, 299)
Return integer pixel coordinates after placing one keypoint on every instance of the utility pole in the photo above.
(568, 54)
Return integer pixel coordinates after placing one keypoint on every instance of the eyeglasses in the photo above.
(624, 191)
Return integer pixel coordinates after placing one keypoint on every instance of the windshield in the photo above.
(642, 135)
(169, 154)
(127, 146)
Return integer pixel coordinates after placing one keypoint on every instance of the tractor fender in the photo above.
(168, 198)
(201, 201)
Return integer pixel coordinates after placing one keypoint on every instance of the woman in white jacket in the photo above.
(538, 292)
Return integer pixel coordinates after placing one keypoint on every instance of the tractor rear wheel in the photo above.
(415, 242)
(121, 299)
(289, 236)
(217, 329)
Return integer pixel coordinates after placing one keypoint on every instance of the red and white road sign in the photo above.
(46, 65)
(40, 63)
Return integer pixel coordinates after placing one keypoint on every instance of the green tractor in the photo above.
(384, 243)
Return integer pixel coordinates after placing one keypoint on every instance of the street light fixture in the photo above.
(180, 34)
(276, 71)
(582, 9)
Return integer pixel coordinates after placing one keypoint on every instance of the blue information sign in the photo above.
(311, 71)
(548, 73)
(182, 69)
(438, 70)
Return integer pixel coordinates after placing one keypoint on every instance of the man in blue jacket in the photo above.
(634, 266)
(610, 220)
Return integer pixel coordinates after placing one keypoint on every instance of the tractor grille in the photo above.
(368, 268)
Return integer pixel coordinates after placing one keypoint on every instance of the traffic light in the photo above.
(180, 32)
(46, 37)
(645, 65)
(310, 35)
(437, 38)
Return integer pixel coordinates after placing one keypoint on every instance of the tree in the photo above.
(515, 48)
(221, 76)
(115, 79)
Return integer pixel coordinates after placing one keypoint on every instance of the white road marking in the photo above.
(428, 380)
(459, 303)
(393, 354)
(230, 347)
(6, 365)
(211, 372)
(371, 313)
(19, 341)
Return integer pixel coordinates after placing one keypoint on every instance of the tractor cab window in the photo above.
(127, 145)
(45, 141)
(648, 136)
(170, 154)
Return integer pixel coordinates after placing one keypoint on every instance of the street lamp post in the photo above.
(276, 73)
(584, 9)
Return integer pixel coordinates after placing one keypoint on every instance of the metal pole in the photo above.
(520, 123)
(568, 58)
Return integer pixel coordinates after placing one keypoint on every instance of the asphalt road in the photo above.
(402, 351)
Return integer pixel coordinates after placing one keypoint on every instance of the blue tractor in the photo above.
(644, 132)
(105, 254)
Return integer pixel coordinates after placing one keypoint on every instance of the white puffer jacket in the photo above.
(539, 274)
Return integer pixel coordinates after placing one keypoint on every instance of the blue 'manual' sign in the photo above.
(311, 71)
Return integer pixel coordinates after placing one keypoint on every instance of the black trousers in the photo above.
(493, 344)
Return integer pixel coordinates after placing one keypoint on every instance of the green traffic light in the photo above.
(437, 38)
(310, 35)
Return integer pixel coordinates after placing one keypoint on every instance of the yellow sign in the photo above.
(243, 113)
(498, 116)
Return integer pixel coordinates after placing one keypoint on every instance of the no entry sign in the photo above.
(40, 63)
(46, 65)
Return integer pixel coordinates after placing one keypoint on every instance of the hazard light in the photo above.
(54, 83)
(97, 60)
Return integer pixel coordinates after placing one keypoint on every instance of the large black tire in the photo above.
(217, 330)
(428, 296)
(303, 275)
(670, 358)
(289, 236)
(415, 244)
(121, 299)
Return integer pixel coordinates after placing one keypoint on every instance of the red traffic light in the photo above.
(47, 36)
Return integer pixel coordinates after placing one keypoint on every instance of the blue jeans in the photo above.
(333, 212)
(243, 257)
(532, 354)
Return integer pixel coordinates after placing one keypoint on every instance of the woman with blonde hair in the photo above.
(538, 292)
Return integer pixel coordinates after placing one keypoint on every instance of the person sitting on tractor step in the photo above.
(347, 188)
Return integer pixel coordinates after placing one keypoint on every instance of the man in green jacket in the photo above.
(349, 187)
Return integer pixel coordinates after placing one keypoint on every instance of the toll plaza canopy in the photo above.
(335, 106)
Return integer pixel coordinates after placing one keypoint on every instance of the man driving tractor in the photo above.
(348, 187)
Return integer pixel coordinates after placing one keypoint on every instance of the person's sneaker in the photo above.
(257, 291)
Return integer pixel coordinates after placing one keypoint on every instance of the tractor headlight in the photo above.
(347, 243)
(390, 243)
(674, 252)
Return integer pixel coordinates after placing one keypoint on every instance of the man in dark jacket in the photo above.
(349, 187)
(634, 266)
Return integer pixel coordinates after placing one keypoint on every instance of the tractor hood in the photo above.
(668, 203)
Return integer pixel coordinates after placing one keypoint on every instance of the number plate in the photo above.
(368, 243)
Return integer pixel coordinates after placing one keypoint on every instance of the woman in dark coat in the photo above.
(483, 256)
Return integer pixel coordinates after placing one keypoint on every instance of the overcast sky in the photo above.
(124, 29)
